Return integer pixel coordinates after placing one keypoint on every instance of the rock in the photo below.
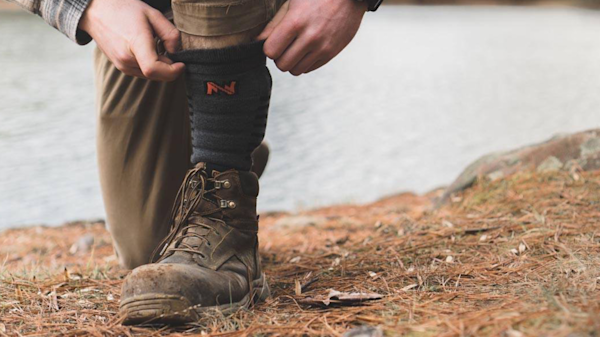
(364, 331)
(590, 147)
(551, 164)
(562, 152)
(299, 221)
(83, 244)
(495, 175)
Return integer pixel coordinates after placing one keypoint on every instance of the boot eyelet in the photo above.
(222, 184)
(227, 204)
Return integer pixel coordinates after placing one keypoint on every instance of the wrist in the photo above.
(86, 21)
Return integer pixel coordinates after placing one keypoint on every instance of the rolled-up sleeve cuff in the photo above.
(65, 15)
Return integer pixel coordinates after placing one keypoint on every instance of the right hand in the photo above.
(125, 31)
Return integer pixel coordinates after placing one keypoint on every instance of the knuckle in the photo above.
(269, 50)
(118, 61)
(174, 34)
(296, 23)
(123, 58)
(282, 66)
(149, 72)
(313, 37)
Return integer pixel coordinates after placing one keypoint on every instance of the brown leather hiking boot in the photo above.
(209, 261)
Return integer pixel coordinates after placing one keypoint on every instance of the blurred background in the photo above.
(420, 93)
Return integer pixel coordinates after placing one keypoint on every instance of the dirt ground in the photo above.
(515, 257)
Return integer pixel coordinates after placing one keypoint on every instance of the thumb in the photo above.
(165, 30)
(274, 23)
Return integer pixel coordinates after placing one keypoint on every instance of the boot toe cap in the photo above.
(197, 286)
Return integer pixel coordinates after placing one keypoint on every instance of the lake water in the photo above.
(418, 95)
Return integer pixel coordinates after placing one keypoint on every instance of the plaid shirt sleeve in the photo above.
(63, 15)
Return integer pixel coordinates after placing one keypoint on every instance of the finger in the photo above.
(165, 30)
(152, 67)
(121, 55)
(274, 22)
(132, 71)
(294, 54)
(317, 65)
(165, 59)
(304, 65)
(130, 62)
(126, 63)
(281, 38)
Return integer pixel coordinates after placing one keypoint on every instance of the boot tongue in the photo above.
(213, 170)
(209, 184)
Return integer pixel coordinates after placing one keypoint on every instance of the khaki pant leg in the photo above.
(143, 154)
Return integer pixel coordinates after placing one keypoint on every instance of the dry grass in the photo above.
(516, 257)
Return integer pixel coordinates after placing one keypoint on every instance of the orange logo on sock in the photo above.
(214, 88)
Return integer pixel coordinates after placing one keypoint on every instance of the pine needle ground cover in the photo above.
(514, 257)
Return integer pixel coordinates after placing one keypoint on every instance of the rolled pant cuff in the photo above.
(221, 17)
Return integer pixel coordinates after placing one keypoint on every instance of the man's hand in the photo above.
(125, 31)
(306, 34)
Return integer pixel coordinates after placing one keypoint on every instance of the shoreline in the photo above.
(522, 244)
(505, 250)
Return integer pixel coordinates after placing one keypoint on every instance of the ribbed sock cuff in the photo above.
(230, 60)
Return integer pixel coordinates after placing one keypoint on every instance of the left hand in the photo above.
(307, 34)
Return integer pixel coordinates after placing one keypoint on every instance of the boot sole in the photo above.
(163, 309)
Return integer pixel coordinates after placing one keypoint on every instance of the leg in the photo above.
(144, 151)
(228, 84)
(143, 155)
(209, 261)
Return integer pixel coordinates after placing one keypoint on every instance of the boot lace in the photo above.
(190, 196)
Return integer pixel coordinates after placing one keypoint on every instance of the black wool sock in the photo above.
(229, 92)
